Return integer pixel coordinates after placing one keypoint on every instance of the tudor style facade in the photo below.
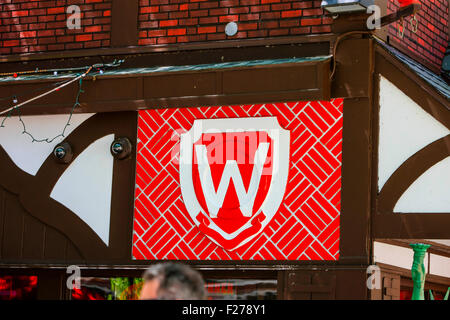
(368, 129)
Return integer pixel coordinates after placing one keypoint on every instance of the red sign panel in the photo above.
(250, 182)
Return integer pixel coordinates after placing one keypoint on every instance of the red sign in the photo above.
(237, 183)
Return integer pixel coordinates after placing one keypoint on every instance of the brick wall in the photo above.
(428, 45)
(37, 25)
(172, 21)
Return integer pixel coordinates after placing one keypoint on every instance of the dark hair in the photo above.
(176, 281)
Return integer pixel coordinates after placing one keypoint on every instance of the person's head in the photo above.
(172, 281)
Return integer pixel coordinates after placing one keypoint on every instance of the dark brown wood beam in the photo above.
(124, 24)
(285, 82)
(400, 13)
(163, 48)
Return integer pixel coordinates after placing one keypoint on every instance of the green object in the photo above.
(418, 270)
(119, 286)
(446, 295)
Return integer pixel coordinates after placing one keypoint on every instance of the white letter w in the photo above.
(214, 200)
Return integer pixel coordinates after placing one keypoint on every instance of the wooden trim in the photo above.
(410, 171)
(407, 274)
(164, 48)
(356, 178)
(400, 74)
(286, 82)
(385, 223)
(411, 225)
(400, 13)
(436, 248)
(124, 24)
(34, 191)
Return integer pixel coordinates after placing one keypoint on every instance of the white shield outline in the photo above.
(281, 159)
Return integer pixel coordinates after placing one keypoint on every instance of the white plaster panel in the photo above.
(405, 128)
(444, 242)
(440, 265)
(429, 193)
(86, 185)
(395, 256)
(27, 155)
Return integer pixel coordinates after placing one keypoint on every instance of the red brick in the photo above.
(149, 24)
(47, 40)
(46, 18)
(168, 23)
(20, 50)
(268, 24)
(172, 7)
(289, 23)
(218, 12)
(228, 18)
(239, 10)
(28, 34)
(176, 32)
(199, 13)
(247, 17)
(24, 20)
(28, 42)
(10, 43)
(216, 36)
(259, 8)
(209, 20)
(301, 30)
(101, 36)
(22, 13)
(188, 22)
(93, 29)
(29, 5)
(54, 47)
(312, 12)
(71, 46)
(291, 14)
(280, 6)
(148, 41)
(166, 40)
(278, 32)
(310, 22)
(156, 33)
(207, 29)
(248, 26)
(55, 10)
(257, 33)
(83, 37)
(178, 14)
(46, 33)
(270, 15)
(92, 44)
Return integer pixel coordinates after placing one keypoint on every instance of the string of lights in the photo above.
(79, 77)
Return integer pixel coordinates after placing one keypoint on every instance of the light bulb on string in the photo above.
(15, 100)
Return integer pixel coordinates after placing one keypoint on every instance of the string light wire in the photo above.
(9, 111)
(48, 92)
